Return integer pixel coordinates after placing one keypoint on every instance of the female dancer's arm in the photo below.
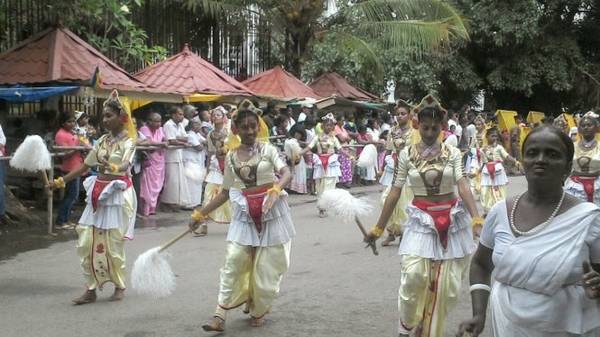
(388, 208)
(480, 274)
(464, 190)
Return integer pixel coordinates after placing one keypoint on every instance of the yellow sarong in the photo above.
(252, 275)
(324, 184)
(221, 214)
(102, 256)
(490, 195)
(428, 290)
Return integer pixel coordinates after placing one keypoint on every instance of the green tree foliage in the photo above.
(107, 26)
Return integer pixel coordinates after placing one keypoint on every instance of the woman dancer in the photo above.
(109, 216)
(259, 237)
(345, 156)
(493, 173)
(399, 137)
(326, 167)
(438, 235)
(214, 178)
(539, 246)
(584, 183)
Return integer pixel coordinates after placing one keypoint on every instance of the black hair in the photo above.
(279, 120)
(114, 105)
(298, 128)
(243, 114)
(592, 119)
(492, 129)
(362, 128)
(65, 116)
(173, 109)
(564, 138)
(436, 115)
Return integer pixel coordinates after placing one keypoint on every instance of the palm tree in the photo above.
(416, 26)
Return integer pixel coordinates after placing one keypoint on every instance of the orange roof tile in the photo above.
(278, 83)
(58, 55)
(187, 73)
(330, 84)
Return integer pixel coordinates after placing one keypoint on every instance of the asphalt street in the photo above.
(335, 287)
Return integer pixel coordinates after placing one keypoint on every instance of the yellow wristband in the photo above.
(276, 189)
(59, 182)
(376, 231)
(197, 216)
(477, 221)
(113, 167)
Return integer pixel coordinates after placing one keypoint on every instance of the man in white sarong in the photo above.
(175, 192)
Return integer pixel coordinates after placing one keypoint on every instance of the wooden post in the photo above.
(50, 198)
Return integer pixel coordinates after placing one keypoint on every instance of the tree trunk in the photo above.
(17, 214)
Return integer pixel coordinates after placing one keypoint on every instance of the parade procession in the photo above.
(409, 168)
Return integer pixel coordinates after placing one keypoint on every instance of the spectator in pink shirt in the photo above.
(66, 136)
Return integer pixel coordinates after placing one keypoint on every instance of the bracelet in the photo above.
(376, 231)
(276, 189)
(197, 216)
(113, 167)
(59, 182)
(477, 221)
(479, 286)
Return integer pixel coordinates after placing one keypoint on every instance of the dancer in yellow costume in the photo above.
(109, 216)
(214, 179)
(493, 173)
(438, 235)
(584, 182)
(261, 230)
(326, 167)
(400, 135)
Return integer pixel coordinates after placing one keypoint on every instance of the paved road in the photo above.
(333, 288)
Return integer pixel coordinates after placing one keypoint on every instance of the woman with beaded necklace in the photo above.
(543, 248)
(584, 183)
(261, 229)
(438, 235)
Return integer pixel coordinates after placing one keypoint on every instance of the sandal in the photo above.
(215, 324)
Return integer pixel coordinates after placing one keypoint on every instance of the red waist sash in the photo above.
(99, 186)
(441, 218)
(324, 160)
(588, 185)
(221, 162)
(255, 197)
(491, 168)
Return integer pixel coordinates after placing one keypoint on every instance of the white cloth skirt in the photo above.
(333, 167)
(387, 177)
(298, 183)
(499, 179)
(576, 189)
(116, 207)
(420, 237)
(214, 175)
(194, 175)
(278, 227)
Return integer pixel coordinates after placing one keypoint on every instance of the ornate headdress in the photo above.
(219, 114)
(400, 103)
(233, 140)
(329, 118)
(429, 102)
(124, 112)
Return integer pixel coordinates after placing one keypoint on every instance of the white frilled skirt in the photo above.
(576, 189)
(333, 167)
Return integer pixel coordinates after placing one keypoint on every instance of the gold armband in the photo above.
(114, 168)
(477, 221)
(59, 182)
(197, 216)
(376, 231)
(276, 189)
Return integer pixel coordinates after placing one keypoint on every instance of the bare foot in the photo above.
(88, 297)
(118, 295)
(215, 324)
(257, 322)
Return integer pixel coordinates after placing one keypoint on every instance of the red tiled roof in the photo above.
(278, 83)
(58, 55)
(330, 84)
(187, 73)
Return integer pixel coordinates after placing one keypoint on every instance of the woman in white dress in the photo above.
(543, 247)
(194, 162)
(293, 153)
